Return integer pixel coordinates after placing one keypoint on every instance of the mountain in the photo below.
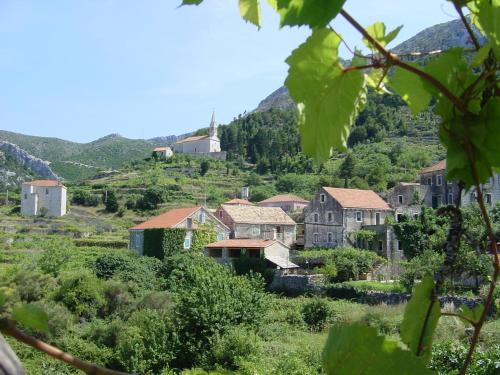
(438, 37)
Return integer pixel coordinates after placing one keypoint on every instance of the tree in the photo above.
(346, 170)
(111, 201)
(204, 167)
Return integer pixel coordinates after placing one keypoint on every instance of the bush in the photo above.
(29, 283)
(426, 264)
(245, 265)
(204, 167)
(96, 242)
(316, 314)
(85, 198)
(329, 270)
(81, 292)
(118, 298)
(53, 259)
(210, 300)
(232, 347)
(151, 198)
(111, 201)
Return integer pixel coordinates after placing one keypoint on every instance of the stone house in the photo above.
(254, 222)
(406, 198)
(275, 252)
(287, 202)
(334, 216)
(41, 196)
(163, 152)
(189, 218)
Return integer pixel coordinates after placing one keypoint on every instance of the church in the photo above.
(202, 145)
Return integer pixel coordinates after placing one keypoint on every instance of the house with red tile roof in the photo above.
(334, 216)
(287, 202)
(239, 202)
(188, 218)
(46, 197)
(276, 253)
(163, 152)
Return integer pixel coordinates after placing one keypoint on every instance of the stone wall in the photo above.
(297, 284)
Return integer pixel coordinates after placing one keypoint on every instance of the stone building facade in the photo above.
(287, 202)
(406, 198)
(334, 216)
(253, 222)
(43, 196)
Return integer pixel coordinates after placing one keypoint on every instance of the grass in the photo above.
(389, 287)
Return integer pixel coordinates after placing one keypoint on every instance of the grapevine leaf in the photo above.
(328, 99)
(487, 19)
(490, 116)
(377, 31)
(420, 319)
(411, 88)
(357, 349)
(470, 315)
(250, 11)
(191, 2)
(481, 55)
(31, 316)
(314, 13)
(377, 79)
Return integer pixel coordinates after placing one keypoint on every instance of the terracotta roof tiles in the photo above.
(168, 219)
(191, 139)
(356, 198)
(44, 183)
(257, 215)
(440, 166)
(237, 201)
(284, 198)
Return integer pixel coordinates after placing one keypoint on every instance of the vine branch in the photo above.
(395, 61)
(10, 329)
(458, 8)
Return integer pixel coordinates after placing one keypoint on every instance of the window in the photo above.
(330, 237)
(316, 237)
(256, 231)
(220, 236)
(316, 218)
(380, 245)
(415, 216)
(47, 191)
(377, 218)
(399, 217)
(359, 216)
(400, 199)
(234, 253)
(189, 222)
(221, 214)
(215, 253)
(201, 217)
(439, 180)
(25, 196)
(187, 243)
(450, 198)
(488, 198)
(278, 229)
(429, 181)
(400, 247)
(329, 216)
(322, 198)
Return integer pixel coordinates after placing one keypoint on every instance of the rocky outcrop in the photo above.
(37, 166)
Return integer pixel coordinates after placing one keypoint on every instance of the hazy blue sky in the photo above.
(81, 69)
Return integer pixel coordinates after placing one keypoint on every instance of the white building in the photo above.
(43, 195)
(202, 144)
(163, 152)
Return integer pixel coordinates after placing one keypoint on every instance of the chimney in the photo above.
(245, 192)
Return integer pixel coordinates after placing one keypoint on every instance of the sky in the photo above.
(82, 69)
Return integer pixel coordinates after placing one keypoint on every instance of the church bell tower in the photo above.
(212, 132)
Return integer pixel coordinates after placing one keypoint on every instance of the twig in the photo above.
(360, 67)
(395, 61)
(11, 330)
(473, 323)
(466, 24)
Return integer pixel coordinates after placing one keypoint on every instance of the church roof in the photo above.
(192, 139)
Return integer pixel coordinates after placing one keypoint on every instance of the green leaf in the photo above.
(420, 319)
(328, 99)
(191, 2)
(315, 13)
(377, 79)
(31, 316)
(250, 11)
(481, 55)
(357, 349)
(411, 88)
(377, 31)
(469, 314)
(486, 16)
(2, 298)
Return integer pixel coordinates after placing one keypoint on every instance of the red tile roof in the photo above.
(242, 243)
(44, 183)
(239, 201)
(191, 139)
(440, 166)
(168, 219)
(284, 198)
(356, 198)
(159, 149)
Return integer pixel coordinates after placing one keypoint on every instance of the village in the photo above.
(281, 225)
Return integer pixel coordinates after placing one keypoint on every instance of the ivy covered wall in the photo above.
(161, 243)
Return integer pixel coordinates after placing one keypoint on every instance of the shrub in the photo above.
(232, 347)
(151, 198)
(204, 167)
(316, 314)
(53, 259)
(85, 198)
(30, 284)
(428, 263)
(106, 265)
(60, 319)
(81, 292)
(329, 270)
(210, 300)
(245, 265)
(118, 298)
(96, 242)
(111, 201)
